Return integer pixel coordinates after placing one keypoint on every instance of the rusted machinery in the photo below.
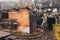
(22, 20)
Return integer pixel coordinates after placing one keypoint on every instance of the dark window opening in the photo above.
(50, 21)
(5, 15)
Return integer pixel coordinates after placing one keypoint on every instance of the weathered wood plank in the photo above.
(3, 33)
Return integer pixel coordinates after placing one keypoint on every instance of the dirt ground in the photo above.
(49, 35)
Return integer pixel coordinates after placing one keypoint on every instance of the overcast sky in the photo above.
(8, 0)
(14, 0)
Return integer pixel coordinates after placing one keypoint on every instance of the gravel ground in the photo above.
(46, 35)
(49, 35)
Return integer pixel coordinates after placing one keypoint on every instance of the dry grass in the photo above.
(56, 29)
